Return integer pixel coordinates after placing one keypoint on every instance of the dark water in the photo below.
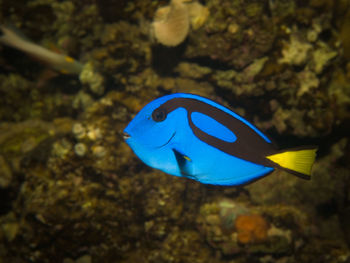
(71, 190)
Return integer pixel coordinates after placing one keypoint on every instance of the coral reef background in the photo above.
(72, 191)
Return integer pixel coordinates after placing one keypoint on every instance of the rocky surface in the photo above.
(72, 191)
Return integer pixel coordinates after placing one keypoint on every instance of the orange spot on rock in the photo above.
(251, 228)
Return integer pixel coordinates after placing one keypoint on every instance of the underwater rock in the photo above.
(308, 80)
(99, 151)
(234, 35)
(322, 56)
(113, 10)
(198, 14)
(92, 78)
(98, 200)
(62, 148)
(82, 100)
(123, 49)
(78, 130)
(338, 90)
(234, 228)
(5, 173)
(180, 246)
(229, 212)
(191, 70)
(19, 139)
(310, 205)
(248, 73)
(80, 149)
(295, 52)
(84, 259)
(251, 228)
(10, 230)
(344, 35)
(9, 227)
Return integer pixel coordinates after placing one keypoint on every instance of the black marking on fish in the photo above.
(172, 136)
(249, 145)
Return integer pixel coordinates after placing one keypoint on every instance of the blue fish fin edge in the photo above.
(242, 181)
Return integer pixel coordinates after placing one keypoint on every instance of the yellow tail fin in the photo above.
(299, 161)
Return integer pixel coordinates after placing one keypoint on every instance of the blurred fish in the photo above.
(62, 63)
(191, 136)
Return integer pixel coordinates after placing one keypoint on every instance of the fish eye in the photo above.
(159, 115)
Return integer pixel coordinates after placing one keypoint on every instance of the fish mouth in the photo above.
(126, 136)
(172, 136)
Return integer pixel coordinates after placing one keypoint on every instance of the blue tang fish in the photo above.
(191, 136)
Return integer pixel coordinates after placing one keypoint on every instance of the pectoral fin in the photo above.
(185, 163)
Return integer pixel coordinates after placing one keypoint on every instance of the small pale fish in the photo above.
(191, 136)
(62, 63)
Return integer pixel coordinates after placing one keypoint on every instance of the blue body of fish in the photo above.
(191, 136)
